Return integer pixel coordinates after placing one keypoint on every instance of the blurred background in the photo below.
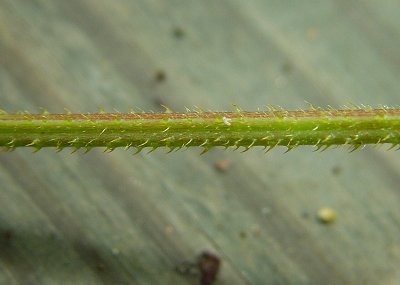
(115, 218)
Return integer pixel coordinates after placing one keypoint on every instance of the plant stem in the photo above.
(320, 128)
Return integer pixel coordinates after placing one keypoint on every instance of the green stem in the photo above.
(320, 128)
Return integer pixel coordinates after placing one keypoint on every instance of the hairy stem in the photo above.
(320, 128)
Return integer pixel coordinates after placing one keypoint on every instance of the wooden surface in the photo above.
(122, 219)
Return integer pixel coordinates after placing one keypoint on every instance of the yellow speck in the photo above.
(326, 215)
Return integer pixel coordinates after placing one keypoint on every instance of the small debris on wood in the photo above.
(287, 67)
(206, 268)
(178, 33)
(222, 165)
(336, 170)
(209, 268)
(326, 215)
(160, 76)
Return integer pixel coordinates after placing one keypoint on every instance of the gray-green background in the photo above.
(122, 219)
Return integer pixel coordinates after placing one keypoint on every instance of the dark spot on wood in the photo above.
(7, 236)
(100, 267)
(178, 33)
(287, 67)
(206, 267)
(209, 267)
(160, 76)
(222, 165)
(336, 170)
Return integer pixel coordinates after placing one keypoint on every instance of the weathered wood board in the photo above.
(120, 219)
